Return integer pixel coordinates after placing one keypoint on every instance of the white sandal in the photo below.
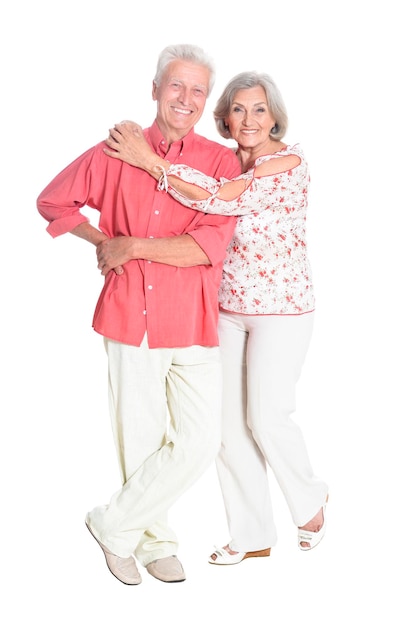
(221, 556)
(311, 537)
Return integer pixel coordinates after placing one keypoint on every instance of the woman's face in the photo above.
(250, 120)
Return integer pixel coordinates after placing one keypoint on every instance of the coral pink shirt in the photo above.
(176, 306)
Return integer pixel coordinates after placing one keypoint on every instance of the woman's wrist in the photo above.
(157, 167)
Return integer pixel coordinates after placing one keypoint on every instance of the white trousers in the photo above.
(262, 360)
(165, 407)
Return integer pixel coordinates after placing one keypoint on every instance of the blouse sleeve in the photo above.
(260, 193)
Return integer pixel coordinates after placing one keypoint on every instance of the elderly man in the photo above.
(158, 315)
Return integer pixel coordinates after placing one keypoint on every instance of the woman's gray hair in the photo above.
(247, 80)
(184, 52)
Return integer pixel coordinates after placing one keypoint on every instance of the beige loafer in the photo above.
(168, 569)
(124, 569)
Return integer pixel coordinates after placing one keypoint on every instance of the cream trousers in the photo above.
(262, 360)
(165, 407)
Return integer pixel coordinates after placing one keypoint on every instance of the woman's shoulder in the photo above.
(294, 149)
(288, 150)
(291, 159)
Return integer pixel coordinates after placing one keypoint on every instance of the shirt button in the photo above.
(156, 212)
(150, 287)
(144, 312)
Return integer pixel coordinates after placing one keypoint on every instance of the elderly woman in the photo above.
(267, 306)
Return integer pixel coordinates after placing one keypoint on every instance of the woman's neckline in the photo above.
(250, 162)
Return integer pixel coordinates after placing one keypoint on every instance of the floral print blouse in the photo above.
(266, 270)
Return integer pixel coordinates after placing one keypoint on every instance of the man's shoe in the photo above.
(169, 570)
(124, 569)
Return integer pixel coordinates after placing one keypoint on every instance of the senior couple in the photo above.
(206, 312)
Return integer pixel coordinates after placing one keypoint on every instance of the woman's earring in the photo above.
(275, 129)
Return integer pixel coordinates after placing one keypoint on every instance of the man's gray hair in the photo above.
(185, 52)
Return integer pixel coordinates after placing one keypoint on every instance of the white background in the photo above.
(69, 71)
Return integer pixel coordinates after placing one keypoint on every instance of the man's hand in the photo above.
(127, 143)
(93, 235)
(113, 253)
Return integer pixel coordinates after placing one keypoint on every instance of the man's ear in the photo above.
(154, 90)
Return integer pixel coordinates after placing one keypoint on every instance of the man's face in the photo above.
(181, 97)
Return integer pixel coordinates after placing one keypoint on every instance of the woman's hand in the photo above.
(127, 143)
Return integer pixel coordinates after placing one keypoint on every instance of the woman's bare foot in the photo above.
(314, 525)
(227, 548)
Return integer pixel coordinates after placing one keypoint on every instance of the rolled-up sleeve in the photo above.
(214, 235)
(60, 202)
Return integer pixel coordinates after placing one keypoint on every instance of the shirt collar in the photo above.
(159, 143)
